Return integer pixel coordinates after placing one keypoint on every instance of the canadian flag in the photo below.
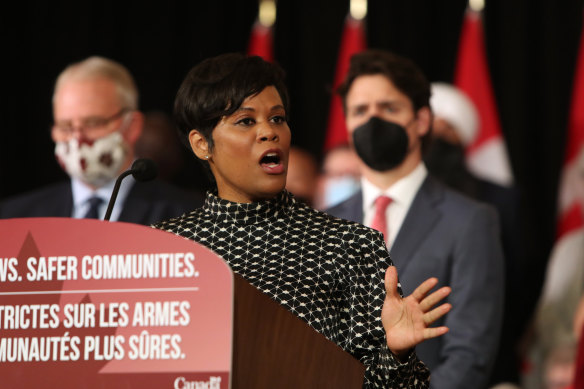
(564, 277)
(261, 40)
(566, 264)
(352, 41)
(487, 155)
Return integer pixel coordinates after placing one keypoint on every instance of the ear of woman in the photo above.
(199, 145)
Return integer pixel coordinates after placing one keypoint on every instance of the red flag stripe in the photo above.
(571, 217)
(261, 42)
(571, 220)
(352, 41)
(576, 121)
(472, 76)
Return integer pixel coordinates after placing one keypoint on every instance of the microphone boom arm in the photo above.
(142, 169)
(112, 201)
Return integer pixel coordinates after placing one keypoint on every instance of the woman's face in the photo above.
(250, 154)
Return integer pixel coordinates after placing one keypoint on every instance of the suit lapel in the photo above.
(420, 220)
(63, 203)
(135, 209)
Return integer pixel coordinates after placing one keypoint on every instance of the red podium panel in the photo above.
(93, 304)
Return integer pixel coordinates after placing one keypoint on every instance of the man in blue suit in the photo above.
(96, 125)
(431, 231)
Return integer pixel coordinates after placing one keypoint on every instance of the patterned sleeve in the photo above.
(365, 336)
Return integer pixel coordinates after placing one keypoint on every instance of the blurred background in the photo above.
(531, 51)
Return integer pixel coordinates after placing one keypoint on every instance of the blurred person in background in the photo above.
(159, 142)
(554, 335)
(430, 229)
(578, 381)
(339, 177)
(302, 175)
(97, 124)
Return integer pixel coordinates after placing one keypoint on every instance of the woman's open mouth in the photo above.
(271, 162)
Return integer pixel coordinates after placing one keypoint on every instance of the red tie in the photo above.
(379, 221)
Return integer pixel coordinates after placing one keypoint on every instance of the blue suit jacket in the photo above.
(456, 239)
(147, 203)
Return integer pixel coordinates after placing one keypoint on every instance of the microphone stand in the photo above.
(112, 201)
(142, 169)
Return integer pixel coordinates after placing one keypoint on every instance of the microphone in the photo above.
(142, 169)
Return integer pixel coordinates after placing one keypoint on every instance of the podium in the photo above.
(94, 304)
(275, 349)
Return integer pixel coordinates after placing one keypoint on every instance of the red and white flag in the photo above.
(352, 42)
(567, 259)
(261, 40)
(564, 276)
(571, 194)
(487, 156)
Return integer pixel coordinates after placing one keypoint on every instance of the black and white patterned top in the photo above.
(328, 271)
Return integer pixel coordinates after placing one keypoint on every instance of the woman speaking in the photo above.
(232, 111)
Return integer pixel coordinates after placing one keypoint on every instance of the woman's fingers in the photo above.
(436, 313)
(429, 301)
(423, 289)
(434, 332)
(391, 281)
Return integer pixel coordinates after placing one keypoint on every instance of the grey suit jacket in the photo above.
(456, 239)
(147, 203)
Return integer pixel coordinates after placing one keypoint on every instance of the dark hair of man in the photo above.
(403, 73)
(216, 88)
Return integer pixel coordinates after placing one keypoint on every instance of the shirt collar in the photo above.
(225, 211)
(82, 193)
(402, 192)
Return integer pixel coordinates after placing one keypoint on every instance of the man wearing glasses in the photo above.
(96, 125)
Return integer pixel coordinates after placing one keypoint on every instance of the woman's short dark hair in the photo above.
(216, 88)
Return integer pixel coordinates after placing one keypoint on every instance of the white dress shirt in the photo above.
(82, 193)
(402, 194)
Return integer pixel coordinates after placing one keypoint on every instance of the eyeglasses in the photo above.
(91, 127)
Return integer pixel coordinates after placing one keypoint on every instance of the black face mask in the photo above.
(382, 145)
(446, 161)
(443, 157)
